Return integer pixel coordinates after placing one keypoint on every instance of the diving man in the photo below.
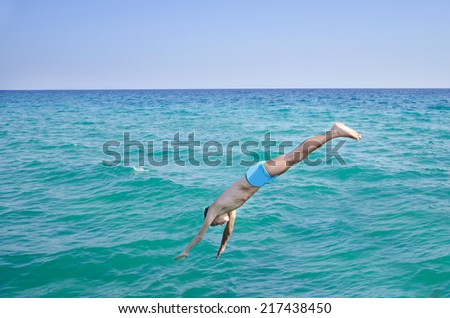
(223, 210)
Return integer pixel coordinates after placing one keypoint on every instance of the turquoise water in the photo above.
(73, 226)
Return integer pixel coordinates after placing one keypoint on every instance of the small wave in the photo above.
(113, 164)
(70, 145)
(106, 163)
(140, 169)
(84, 123)
(439, 107)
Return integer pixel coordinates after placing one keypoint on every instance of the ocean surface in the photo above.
(371, 221)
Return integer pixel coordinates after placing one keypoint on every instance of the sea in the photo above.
(101, 189)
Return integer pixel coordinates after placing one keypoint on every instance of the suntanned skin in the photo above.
(223, 210)
(227, 232)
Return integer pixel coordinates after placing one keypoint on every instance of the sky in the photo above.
(164, 44)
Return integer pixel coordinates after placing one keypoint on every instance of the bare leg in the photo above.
(281, 164)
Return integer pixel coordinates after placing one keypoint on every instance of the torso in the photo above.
(235, 196)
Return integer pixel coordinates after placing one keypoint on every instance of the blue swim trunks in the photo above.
(258, 176)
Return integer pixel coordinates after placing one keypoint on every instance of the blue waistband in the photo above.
(257, 175)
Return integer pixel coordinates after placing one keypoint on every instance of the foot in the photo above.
(343, 131)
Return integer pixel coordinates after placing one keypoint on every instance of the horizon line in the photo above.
(242, 88)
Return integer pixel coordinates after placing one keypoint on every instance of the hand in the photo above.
(182, 255)
(221, 249)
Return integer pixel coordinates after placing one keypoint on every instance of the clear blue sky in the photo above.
(224, 44)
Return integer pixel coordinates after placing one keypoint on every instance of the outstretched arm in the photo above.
(208, 220)
(227, 232)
